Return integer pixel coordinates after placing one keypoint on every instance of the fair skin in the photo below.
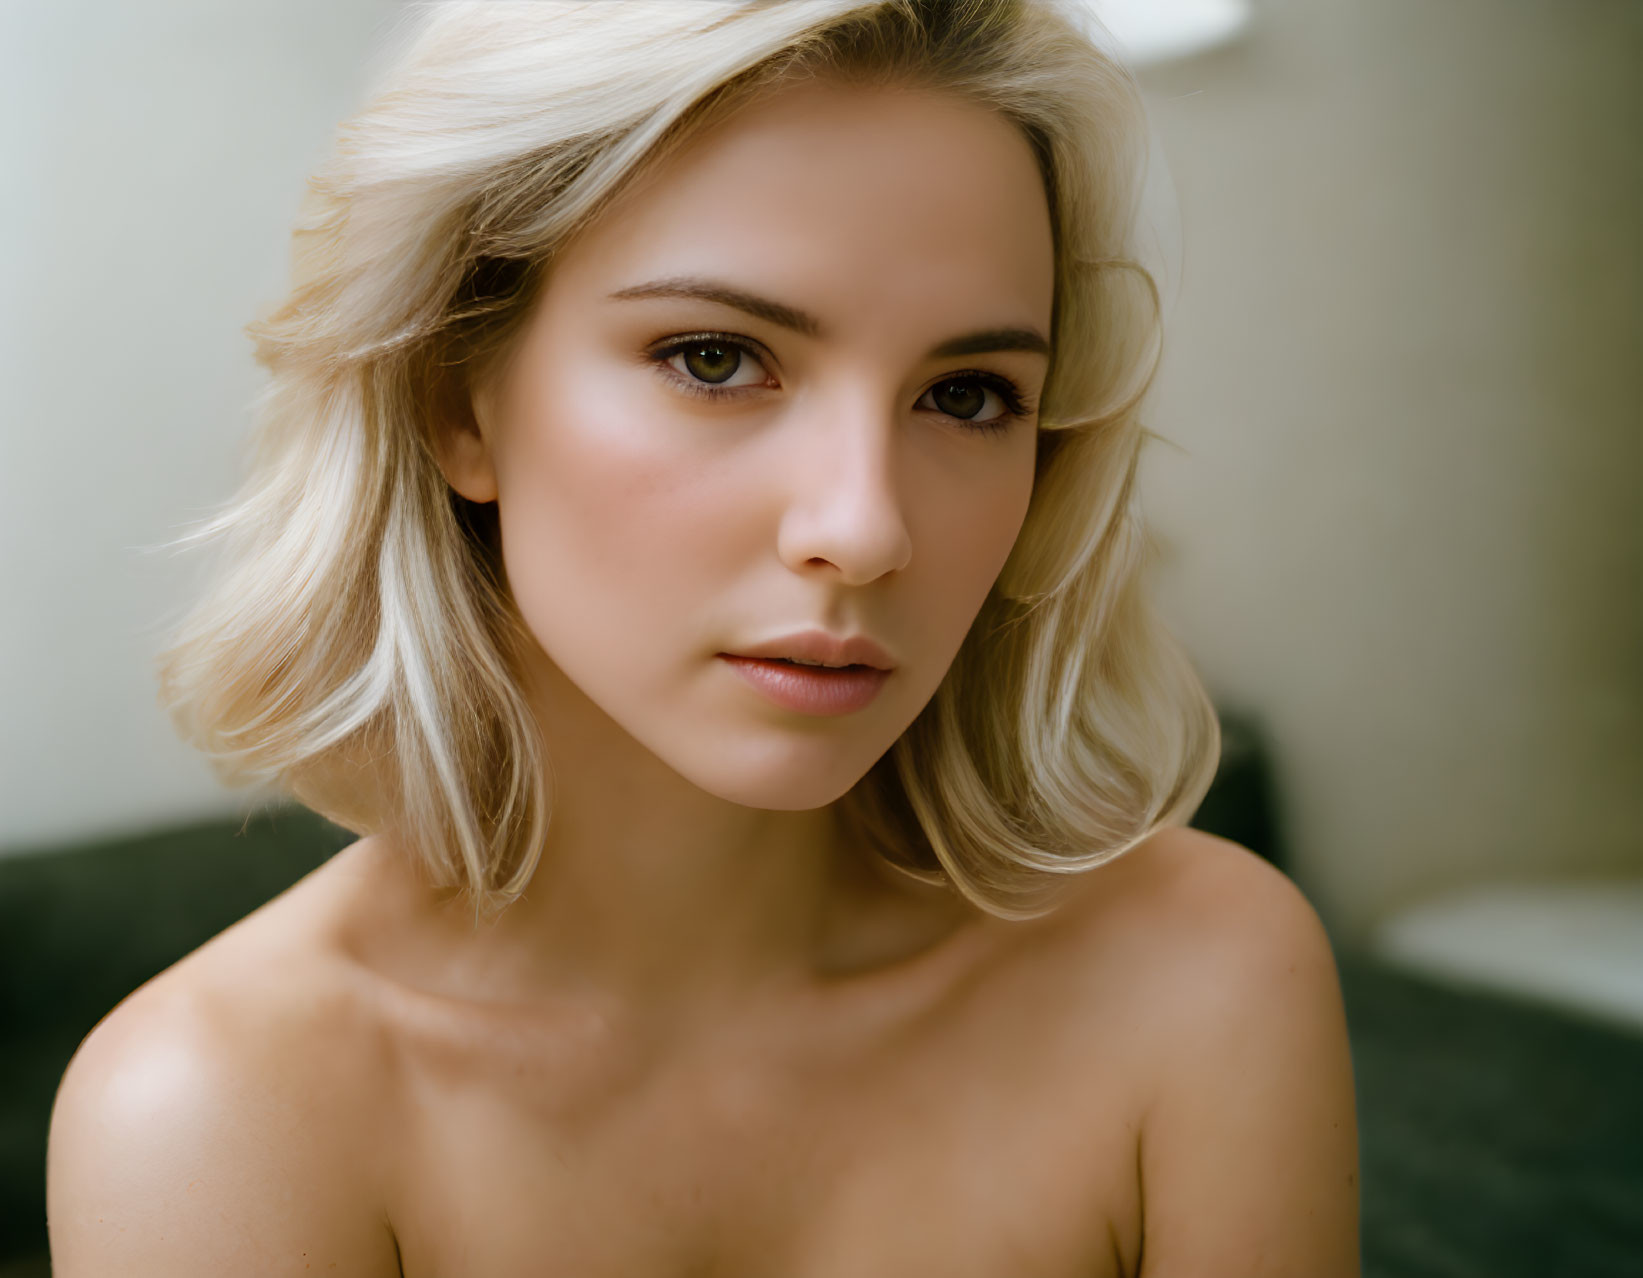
(712, 1039)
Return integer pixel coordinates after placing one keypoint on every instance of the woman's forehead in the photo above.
(866, 196)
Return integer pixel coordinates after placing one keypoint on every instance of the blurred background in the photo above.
(1401, 243)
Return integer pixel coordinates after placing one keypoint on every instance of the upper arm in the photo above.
(1249, 1161)
(177, 1151)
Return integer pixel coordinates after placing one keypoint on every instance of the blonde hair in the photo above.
(359, 648)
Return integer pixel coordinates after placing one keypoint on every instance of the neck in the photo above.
(667, 901)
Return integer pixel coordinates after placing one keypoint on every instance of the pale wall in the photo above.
(153, 156)
(1404, 365)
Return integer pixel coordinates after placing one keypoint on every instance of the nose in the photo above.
(847, 511)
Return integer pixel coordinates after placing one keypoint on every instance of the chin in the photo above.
(779, 776)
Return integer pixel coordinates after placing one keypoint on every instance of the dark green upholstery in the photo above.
(82, 927)
(1498, 1138)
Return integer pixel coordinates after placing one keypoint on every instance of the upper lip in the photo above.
(818, 645)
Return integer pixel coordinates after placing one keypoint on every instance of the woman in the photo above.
(640, 358)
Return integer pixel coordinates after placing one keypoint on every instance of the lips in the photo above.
(819, 646)
(810, 690)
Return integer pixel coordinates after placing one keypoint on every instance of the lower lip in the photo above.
(811, 689)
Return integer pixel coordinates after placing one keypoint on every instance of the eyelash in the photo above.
(1016, 405)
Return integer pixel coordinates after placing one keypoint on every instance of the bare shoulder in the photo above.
(1177, 864)
(1248, 1132)
(221, 1120)
(1187, 919)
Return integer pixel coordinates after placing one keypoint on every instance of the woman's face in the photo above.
(785, 384)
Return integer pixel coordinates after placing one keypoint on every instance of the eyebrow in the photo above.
(983, 342)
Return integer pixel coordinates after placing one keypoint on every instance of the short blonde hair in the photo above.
(359, 648)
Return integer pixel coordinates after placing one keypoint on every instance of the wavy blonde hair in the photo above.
(359, 648)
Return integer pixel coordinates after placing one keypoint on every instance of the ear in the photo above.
(462, 445)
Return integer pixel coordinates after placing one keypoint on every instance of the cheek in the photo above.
(611, 527)
(970, 535)
(1002, 511)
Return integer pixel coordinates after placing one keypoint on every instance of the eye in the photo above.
(983, 400)
(711, 364)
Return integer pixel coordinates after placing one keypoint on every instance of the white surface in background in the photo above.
(1576, 944)
(1157, 30)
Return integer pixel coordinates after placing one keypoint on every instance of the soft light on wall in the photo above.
(1161, 30)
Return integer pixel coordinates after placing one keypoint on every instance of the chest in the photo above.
(958, 1151)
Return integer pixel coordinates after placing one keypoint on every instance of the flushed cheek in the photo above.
(617, 542)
